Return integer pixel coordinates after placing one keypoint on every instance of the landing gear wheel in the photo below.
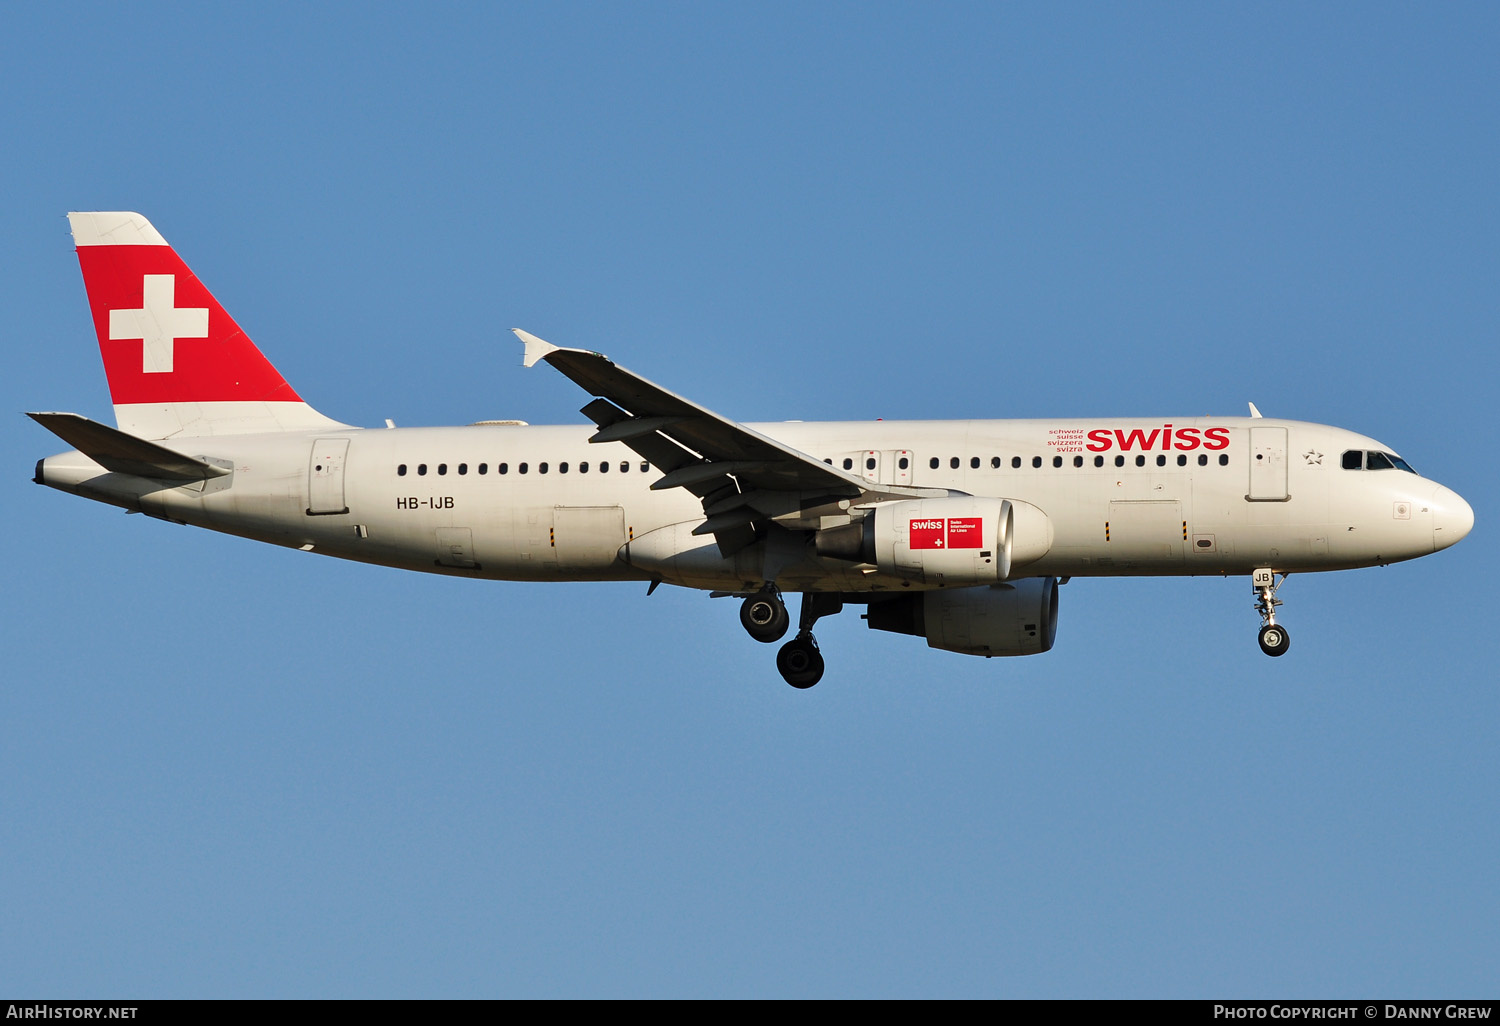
(1274, 640)
(800, 662)
(764, 617)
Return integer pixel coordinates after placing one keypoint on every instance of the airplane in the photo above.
(956, 531)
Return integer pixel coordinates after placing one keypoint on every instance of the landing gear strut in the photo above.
(1274, 640)
(764, 615)
(799, 661)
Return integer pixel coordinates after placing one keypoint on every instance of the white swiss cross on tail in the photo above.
(159, 323)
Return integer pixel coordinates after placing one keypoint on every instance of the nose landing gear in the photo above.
(1274, 639)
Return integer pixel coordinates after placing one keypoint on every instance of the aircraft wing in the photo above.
(742, 476)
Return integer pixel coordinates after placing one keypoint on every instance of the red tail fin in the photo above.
(177, 363)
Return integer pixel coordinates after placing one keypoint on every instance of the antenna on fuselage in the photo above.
(1254, 412)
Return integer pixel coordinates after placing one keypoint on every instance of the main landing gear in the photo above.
(764, 615)
(1274, 640)
(765, 618)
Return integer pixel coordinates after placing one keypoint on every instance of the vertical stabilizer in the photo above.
(177, 363)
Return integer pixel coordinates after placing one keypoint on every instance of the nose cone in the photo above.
(1452, 518)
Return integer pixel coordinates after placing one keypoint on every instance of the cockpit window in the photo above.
(1361, 459)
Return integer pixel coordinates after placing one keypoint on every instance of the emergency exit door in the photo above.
(1267, 465)
(325, 477)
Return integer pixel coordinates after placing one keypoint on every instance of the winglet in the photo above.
(536, 349)
(1254, 412)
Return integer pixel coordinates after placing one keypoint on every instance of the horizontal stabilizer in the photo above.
(125, 454)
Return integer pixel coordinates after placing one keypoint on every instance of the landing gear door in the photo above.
(1267, 465)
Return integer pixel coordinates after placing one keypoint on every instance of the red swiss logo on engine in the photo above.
(953, 533)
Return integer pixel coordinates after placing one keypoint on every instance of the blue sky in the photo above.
(232, 770)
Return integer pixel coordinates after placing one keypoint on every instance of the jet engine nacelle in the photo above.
(1016, 618)
(958, 541)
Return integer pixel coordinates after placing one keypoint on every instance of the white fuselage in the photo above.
(1118, 497)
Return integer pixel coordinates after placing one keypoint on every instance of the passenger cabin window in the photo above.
(604, 466)
(1223, 459)
(1015, 463)
(995, 462)
(1119, 461)
(974, 462)
(1098, 461)
(442, 468)
(541, 468)
(953, 463)
(583, 466)
(421, 470)
(1077, 461)
(562, 468)
(933, 463)
(848, 463)
(624, 466)
(1182, 459)
(1202, 459)
(905, 463)
(645, 466)
(1161, 461)
(401, 470)
(504, 468)
(1140, 461)
(484, 468)
(1036, 461)
(870, 463)
(463, 469)
(521, 469)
